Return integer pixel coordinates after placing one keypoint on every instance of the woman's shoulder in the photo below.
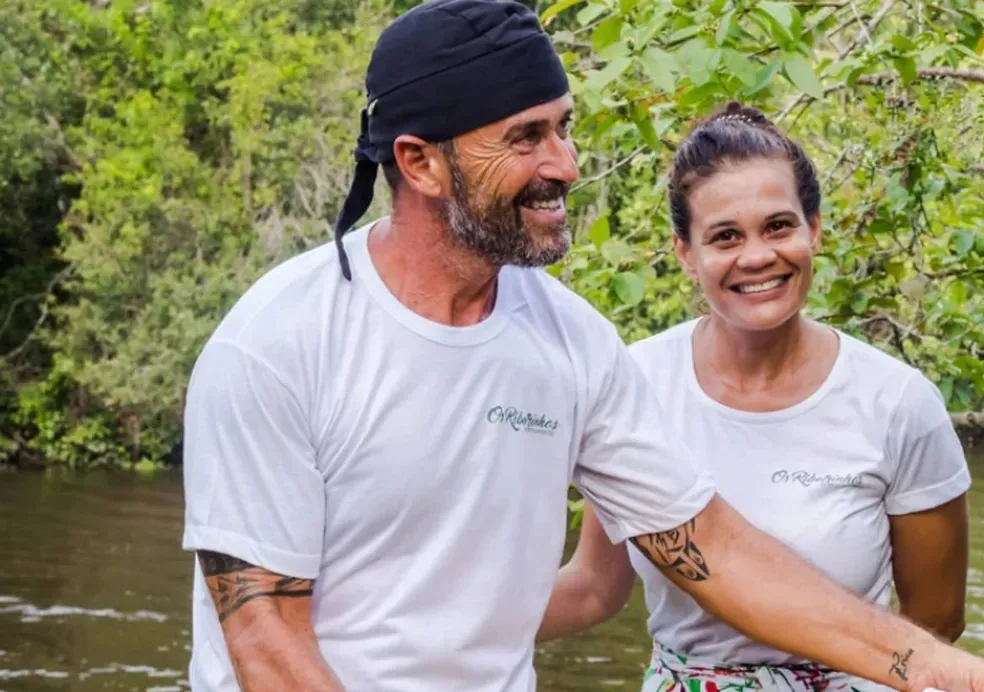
(888, 385)
(671, 340)
(873, 367)
(664, 353)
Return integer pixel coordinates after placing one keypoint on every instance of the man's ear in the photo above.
(682, 250)
(424, 167)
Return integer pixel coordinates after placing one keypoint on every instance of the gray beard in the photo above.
(497, 234)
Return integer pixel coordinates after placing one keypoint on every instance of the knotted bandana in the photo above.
(442, 69)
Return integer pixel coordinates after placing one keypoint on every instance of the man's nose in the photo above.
(560, 160)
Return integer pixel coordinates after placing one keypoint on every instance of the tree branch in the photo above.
(954, 272)
(58, 278)
(970, 419)
(849, 149)
(880, 78)
(900, 333)
(865, 32)
(13, 308)
(608, 171)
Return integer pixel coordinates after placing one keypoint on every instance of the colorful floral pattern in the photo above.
(671, 672)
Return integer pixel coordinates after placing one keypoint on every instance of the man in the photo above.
(380, 434)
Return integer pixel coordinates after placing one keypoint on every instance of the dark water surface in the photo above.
(95, 591)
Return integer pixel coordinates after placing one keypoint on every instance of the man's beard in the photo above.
(496, 232)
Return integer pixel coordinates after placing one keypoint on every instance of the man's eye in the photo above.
(724, 237)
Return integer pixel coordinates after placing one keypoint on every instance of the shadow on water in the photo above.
(95, 591)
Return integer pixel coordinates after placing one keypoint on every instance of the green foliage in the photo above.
(213, 141)
(904, 222)
(157, 156)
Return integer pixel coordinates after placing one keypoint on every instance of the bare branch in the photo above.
(865, 31)
(833, 168)
(970, 419)
(900, 333)
(839, 28)
(880, 78)
(608, 171)
(13, 308)
(950, 273)
(831, 11)
(58, 278)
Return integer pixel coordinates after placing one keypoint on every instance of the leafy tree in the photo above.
(884, 100)
(157, 156)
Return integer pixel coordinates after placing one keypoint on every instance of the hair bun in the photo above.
(736, 112)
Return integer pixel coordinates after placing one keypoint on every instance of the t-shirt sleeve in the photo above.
(252, 489)
(634, 470)
(930, 466)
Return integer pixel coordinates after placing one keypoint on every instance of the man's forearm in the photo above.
(761, 588)
(266, 621)
(269, 655)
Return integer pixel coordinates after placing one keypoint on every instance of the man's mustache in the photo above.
(542, 191)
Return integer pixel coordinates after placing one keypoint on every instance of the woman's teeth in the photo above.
(764, 286)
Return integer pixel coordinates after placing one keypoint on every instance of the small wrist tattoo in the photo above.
(900, 664)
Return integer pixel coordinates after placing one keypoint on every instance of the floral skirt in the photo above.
(672, 672)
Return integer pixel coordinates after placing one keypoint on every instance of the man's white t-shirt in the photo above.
(822, 476)
(417, 472)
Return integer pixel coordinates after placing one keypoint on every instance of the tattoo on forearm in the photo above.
(900, 664)
(675, 549)
(234, 582)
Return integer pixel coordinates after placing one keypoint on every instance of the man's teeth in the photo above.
(758, 288)
(551, 205)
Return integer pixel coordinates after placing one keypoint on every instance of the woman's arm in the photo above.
(592, 587)
(764, 590)
(929, 560)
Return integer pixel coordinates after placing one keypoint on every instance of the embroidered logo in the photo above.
(521, 420)
(806, 479)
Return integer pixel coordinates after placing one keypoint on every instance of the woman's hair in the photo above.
(736, 134)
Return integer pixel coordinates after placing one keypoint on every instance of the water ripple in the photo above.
(38, 672)
(149, 671)
(30, 613)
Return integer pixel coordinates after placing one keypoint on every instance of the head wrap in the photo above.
(442, 69)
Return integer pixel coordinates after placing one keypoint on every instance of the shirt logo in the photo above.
(806, 479)
(521, 420)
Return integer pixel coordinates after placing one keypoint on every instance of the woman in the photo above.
(834, 447)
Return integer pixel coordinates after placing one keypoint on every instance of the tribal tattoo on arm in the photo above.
(675, 550)
(234, 582)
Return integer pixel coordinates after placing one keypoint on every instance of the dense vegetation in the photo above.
(157, 155)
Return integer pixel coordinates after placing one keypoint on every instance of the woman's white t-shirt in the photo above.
(822, 476)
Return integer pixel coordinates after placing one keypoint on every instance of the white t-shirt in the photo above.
(418, 472)
(822, 476)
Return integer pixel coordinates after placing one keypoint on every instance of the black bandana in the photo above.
(442, 69)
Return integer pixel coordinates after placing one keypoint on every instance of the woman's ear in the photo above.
(816, 233)
(424, 167)
(684, 252)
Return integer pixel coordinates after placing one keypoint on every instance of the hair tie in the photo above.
(737, 116)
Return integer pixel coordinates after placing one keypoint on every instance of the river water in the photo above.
(95, 590)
